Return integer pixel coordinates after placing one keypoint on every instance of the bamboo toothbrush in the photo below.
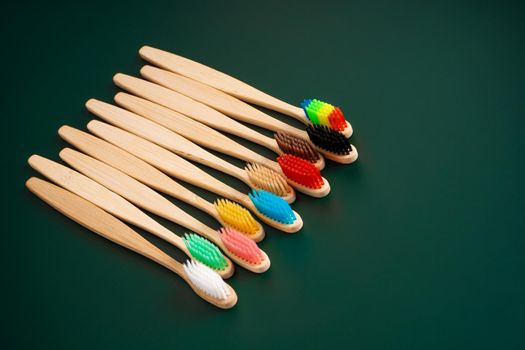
(311, 183)
(207, 115)
(204, 281)
(192, 245)
(269, 208)
(257, 177)
(312, 111)
(243, 251)
(330, 143)
(227, 213)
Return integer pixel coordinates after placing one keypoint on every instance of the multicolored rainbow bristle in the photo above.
(204, 251)
(300, 171)
(241, 246)
(236, 216)
(322, 113)
(272, 206)
(329, 139)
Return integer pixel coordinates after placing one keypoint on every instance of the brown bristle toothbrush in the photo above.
(213, 118)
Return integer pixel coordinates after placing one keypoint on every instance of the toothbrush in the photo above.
(241, 250)
(311, 112)
(204, 281)
(330, 143)
(257, 177)
(209, 116)
(192, 245)
(302, 175)
(227, 213)
(269, 208)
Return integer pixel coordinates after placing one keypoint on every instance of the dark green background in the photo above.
(419, 245)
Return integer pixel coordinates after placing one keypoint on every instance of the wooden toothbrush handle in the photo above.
(189, 107)
(132, 166)
(191, 129)
(101, 196)
(97, 220)
(218, 100)
(160, 135)
(218, 80)
(134, 191)
(162, 159)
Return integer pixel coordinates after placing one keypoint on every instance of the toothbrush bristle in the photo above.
(329, 140)
(243, 247)
(322, 113)
(204, 251)
(300, 171)
(236, 216)
(267, 179)
(272, 206)
(297, 146)
(206, 280)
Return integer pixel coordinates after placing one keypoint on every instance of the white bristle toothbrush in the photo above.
(192, 245)
(303, 176)
(207, 115)
(227, 213)
(313, 111)
(332, 144)
(205, 282)
(146, 198)
(269, 208)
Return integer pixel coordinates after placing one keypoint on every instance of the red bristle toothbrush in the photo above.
(204, 114)
(312, 111)
(330, 144)
(302, 175)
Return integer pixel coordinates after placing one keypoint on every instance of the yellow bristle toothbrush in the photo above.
(271, 209)
(311, 183)
(146, 198)
(312, 111)
(227, 213)
(209, 116)
(204, 281)
(192, 245)
(332, 144)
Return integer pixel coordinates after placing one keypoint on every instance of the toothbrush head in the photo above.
(297, 146)
(268, 180)
(322, 113)
(241, 246)
(272, 206)
(236, 216)
(206, 280)
(329, 140)
(204, 251)
(300, 171)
